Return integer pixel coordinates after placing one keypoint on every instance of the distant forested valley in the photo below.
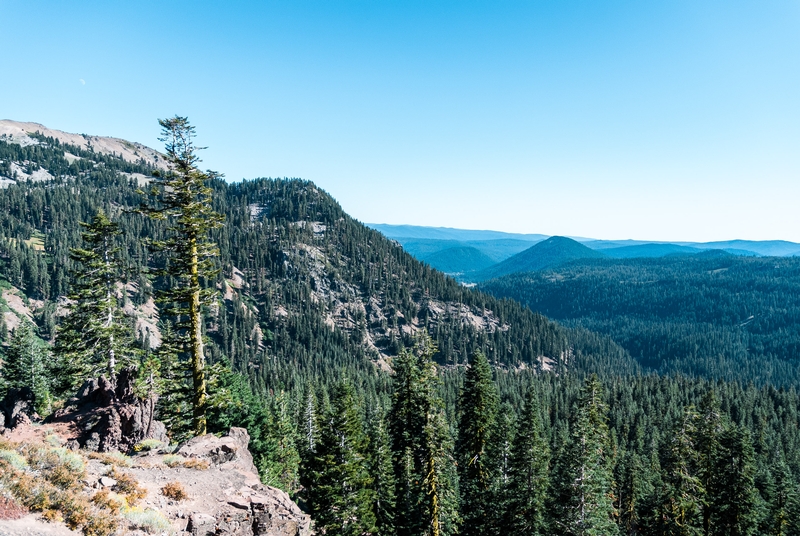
(711, 315)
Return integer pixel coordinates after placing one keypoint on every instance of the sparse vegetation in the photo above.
(175, 491)
(147, 445)
(150, 521)
(128, 486)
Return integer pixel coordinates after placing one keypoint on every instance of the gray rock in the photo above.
(107, 481)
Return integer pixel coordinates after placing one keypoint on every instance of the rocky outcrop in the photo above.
(228, 498)
(111, 417)
(17, 408)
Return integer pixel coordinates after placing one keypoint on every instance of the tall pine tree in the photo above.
(477, 413)
(184, 200)
(585, 481)
(529, 473)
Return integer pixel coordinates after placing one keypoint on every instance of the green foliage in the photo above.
(728, 317)
(25, 365)
(584, 478)
(478, 407)
(184, 201)
(421, 447)
(340, 494)
(528, 475)
(95, 336)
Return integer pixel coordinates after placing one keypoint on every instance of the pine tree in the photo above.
(25, 366)
(529, 473)
(732, 494)
(184, 200)
(380, 467)
(709, 428)
(477, 413)
(340, 496)
(95, 337)
(499, 451)
(421, 447)
(280, 466)
(585, 483)
(681, 501)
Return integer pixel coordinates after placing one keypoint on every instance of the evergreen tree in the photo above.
(529, 473)
(380, 467)
(184, 200)
(95, 336)
(732, 493)
(585, 481)
(280, 465)
(709, 428)
(499, 452)
(421, 447)
(25, 366)
(681, 501)
(340, 496)
(478, 407)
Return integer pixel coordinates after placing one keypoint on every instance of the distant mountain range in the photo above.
(465, 254)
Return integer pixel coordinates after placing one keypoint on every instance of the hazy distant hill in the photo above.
(459, 259)
(649, 250)
(423, 242)
(447, 233)
(548, 253)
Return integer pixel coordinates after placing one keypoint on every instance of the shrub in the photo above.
(148, 444)
(16, 460)
(196, 463)
(150, 521)
(174, 490)
(172, 460)
(128, 485)
(111, 458)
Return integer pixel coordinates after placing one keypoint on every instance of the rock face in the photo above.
(111, 417)
(234, 502)
(17, 408)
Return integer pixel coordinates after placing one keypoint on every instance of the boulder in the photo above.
(17, 408)
(111, 417)
(228, 452)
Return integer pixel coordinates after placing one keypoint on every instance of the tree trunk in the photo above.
(198, 359)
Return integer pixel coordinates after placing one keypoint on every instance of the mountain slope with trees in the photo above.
(710, 315)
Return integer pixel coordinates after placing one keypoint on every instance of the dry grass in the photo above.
(175, 491)
(48, 490)
(196, 463)
(128, 486)
(173, 460)
(111, 458)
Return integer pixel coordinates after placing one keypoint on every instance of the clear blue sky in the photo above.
(673, 120)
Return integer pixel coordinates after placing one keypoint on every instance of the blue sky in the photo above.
(648, 120)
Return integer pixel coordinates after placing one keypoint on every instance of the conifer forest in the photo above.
(385, 397)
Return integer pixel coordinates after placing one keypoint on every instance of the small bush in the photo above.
(128, 485)
(53, 440)
(105, 499)
(172, 460)
(148, 444)
(15, 459)
(111, 458)
(150, 521)
(196, 463)
(174, 490)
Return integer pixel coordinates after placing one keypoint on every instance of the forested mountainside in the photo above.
(313, 307)
(303, 283)
(711, 315)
